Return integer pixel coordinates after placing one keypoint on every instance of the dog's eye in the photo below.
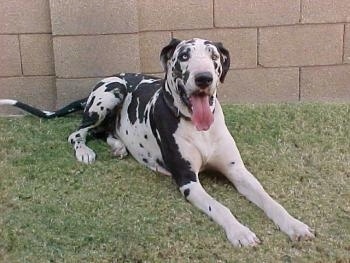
(184, 57)
(214, 57)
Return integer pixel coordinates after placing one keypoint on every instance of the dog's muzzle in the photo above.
(200, 101)
(203, 80)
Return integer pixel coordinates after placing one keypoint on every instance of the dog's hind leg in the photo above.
(117, 146)
(100, 108)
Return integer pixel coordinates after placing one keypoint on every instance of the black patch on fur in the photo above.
(140, 97)
(187, 192)
(232, 163)
(98, 85)
(219, 71)
(132, 110)
(91, 102)
(168, 96)
(77, 135)
(209, 208)
(146, 137)
(145, 160)
(146, 116)
(133, 80)
(160, 163)
(184, 49)
(126, 132)
(183, 95)
(186, 76)
(114, 86)
(168, 51)
(175, 163)
(118, 121)
(216, 65)
(177, 71)
(191, 41)
(89, 119)
(99, 103)
(211, 100)
(224, 58)
(141, 145)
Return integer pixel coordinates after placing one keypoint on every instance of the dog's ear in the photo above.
(168, 51)
(225, 60)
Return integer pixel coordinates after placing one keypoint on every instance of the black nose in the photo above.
(203, 79)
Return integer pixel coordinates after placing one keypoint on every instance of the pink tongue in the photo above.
(202, 117)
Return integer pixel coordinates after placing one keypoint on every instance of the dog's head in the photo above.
(194, 68)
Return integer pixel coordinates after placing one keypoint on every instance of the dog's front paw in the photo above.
(297, 230)
(241, 236)
(85, 155)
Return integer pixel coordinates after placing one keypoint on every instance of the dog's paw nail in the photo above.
(299, 231)
(242, 237)
(85, 155)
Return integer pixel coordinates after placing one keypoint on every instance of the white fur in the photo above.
(217, 149)
(213, 148)
(8, 102)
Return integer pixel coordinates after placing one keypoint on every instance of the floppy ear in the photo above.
(225, 60)
(168, 51)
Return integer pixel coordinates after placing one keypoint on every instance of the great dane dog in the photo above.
(176, 126)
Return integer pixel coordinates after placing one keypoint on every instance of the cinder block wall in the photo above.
(282, 51)
(27, 69)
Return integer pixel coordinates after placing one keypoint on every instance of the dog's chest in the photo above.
(134, 129)
(192, 142)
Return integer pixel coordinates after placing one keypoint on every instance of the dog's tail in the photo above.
(70, 108)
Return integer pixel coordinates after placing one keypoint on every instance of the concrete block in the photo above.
(181, 14)
(10, 59)
(325, 11)
(260, 86)
(326, 83)
(96, 56)
(78, 17)
(252, 13)
(37, 54)
(301, 45)
(25, 16)
(347, 44)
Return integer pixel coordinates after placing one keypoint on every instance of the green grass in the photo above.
(54, 209)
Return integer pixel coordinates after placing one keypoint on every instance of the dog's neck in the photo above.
(173, 101)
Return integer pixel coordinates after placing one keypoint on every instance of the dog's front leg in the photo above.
(228, 161)
(238, 234)
(184, 165)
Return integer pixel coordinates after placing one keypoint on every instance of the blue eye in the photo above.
(184, 57)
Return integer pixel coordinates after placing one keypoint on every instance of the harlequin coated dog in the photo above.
(176, 126)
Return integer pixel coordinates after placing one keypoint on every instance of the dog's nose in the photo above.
(203, 79)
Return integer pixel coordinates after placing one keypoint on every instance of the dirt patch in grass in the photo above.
(55, 209)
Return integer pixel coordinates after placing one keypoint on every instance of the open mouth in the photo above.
(199, 104)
